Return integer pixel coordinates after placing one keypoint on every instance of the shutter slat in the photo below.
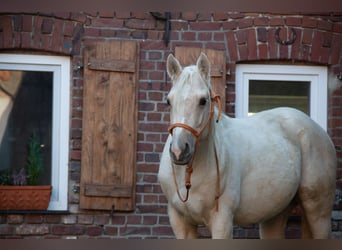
(111, 65)
(108, 190)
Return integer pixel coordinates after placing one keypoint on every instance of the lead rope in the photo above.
(189, 168)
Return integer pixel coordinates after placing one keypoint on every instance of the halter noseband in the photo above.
(216, 99)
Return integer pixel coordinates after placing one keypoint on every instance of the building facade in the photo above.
(108, 119)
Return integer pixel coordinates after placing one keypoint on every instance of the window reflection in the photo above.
(271, 94)
(25, 108)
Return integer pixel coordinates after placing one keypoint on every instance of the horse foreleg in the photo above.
(181, 228)
(221, 225)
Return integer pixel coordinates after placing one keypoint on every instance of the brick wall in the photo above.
(244, 37)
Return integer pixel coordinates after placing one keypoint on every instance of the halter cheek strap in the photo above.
(216, 99)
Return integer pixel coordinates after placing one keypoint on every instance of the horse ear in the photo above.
(203, 65)
(173, 67)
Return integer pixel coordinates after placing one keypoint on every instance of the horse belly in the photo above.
(270, 184)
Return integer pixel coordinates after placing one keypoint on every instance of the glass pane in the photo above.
(25, 109)
(271, 94)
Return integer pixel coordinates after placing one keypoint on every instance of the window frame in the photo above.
(60, 66)
(316, 75)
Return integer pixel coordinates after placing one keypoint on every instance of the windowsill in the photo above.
(34, 212)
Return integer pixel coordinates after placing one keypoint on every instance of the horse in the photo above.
(220, 171)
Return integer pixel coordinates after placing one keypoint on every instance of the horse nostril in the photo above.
(187, 148)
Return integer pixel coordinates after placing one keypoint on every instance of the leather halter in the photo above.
(216, 99)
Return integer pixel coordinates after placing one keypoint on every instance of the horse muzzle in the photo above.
(180, 156)
(182, 147)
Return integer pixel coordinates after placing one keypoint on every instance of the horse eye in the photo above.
(203, 101)
(168, 101)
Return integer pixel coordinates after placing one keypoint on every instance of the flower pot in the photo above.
(25, 197)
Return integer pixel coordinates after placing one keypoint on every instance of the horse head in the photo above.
(190, 106)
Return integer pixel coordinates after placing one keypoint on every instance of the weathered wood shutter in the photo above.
(109, 131)
(217, 58)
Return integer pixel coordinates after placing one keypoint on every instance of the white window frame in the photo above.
(60, 66)
(316, 75)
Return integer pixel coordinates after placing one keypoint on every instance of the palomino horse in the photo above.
(220, 171)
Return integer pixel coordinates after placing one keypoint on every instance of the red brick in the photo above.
(241, 36)
(110, 230)
(261, 21)
(27, 23)
(189, 15)
(140, 24)
(244, 23)
(204, 36)
(118, 220)
(152, 220)
(205, 26)
(324, 25)
(204, 16)
(56, 43)
(6, 230)
(276, 21)
(188, 36)
(236, 15)
(32, 229)
(68, 229)
(337, 27)
(216, 46)
(305, 51)
(252, 47)
(307, 36)
(293, 21)
(94, 231)
(123, 14)
(85, 219)
(134, 230)
(33, 218)
(326, 39)
(16, 40)
(262, 34)
(232, 46)
(262, 51)
(47, 26)
(179, 25)
(283, 52)
(15, 219)
(316, 46)
(230, 25)
(134, 220)
(309, 22)
(26, 40)
(335, 49)
(243, 52)
(295, 47)
(162, 230)
(218, 36)
(272, 44)
(101, 219)
(52, 218)
(6, 25)
(107, 22)
(220, 16)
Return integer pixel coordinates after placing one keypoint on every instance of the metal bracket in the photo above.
(286, 42)
(166, 16)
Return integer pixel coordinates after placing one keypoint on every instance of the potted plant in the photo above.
(20, 190)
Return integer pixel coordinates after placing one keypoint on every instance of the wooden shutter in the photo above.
(217, 58)
(109, 131)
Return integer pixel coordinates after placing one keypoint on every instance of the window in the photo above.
(260, 87)
(34, 99)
